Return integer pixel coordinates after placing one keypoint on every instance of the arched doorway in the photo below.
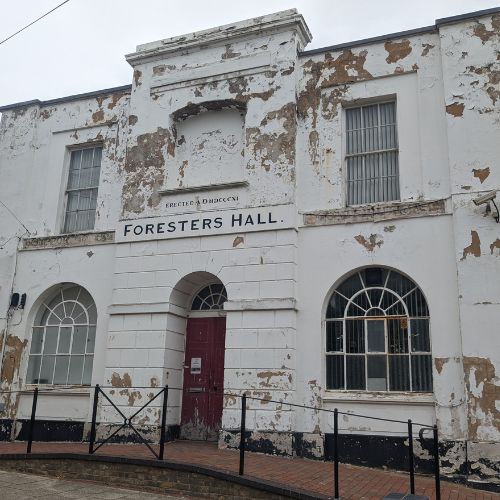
(203, 380)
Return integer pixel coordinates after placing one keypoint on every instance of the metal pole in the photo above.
(242, 433)
(94, 416)
(411, 462)
(436, 463)
(163, 422)
(32, 420)
(336, 452)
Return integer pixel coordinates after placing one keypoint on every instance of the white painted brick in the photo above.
(232, 274)
(115, 323)
(258, 319)
(219, 242)
(142, 279)
(126, 296)
(182, 262)
(234, 319)
(174, 359)
(180, 245)
(176, 324)
(273, 421)
(144, 248)
(241, 339)
(156, 358)
(143, 376)
(166, 278)
(279, 254)
(122, 250)
(277, 289)
(259, 272)
(158, 321)
(257, 358)
(286, 271)
(137, 322)
(155, 294)
(231, 419)
(121, 280)
(156, 262)
(260, 239)
(150, 339)
(286, 236)
(285, 318)
(174, 341)
(199, 260)
(232, 358)
(284, 358)
(244, 290)
(128, 265)
(134, 358)
(121, 340)
(113, 357)
(277, 338)
(244, 256)
(216, 261)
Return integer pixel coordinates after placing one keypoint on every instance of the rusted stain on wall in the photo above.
(439, 363)
(275, 149)
(455, 109)
(98, 116)
(495, 244)
(145, 169)
(347, 67)
(485, 34)
(14, 348)
(229, 53)
(373, 241)
(426, 48)
(137, 77)
(239, 240)
(389, 229)
(132, 120)
(474, 248)
(481, 173)
(240, 90)
(397, 50)
(482, 391)
(121, 381)
(266, 377)
(490, 82)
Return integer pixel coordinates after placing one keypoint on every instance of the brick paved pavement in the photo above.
(16, 486)
(311, 475)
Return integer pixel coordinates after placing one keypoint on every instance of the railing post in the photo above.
(411, 462)
(32, 420)
(436, 463)
(163, 422)
(242, 433)
(94, 416)
(336, 452)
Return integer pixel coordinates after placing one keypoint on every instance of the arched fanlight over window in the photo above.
(377, 334)
(210, 298)
(62, 343)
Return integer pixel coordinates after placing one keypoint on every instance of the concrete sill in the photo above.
(205, 187)
(400, 398)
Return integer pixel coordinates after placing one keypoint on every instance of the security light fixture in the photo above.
(486, 198)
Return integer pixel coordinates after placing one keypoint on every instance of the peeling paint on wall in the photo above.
(455, 109)
(481, 173)
(373, 241)
(474, 248)
(397, 50)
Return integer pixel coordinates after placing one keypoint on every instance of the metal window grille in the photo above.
(83, 184)
(372, 154)
(377, 334)
(212, 297)
(63, 339)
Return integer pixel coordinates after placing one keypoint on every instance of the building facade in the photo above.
(249, 216)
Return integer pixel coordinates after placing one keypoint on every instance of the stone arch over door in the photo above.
(196, 307)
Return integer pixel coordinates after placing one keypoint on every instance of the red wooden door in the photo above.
(203, 378)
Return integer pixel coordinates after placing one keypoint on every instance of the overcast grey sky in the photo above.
(80, 47)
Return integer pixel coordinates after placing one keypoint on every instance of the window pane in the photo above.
(47, 370)
(79, 340)
(33, 369)
(336, 306)
(355, 373)
(416, 304)
(420, 340)
(64, 339)
(37, 340)
(374, 276)
(350, 286)
(77, 312)
(398, 335)
(50, 344)
(376, 335)
(75, 370)
(377, 373)
(61, 372)
(355, 335)
(421, 373)
(399, 373)
(91, 340)
(334, 336)
(76, 158)
(87, 370)
(335, 372)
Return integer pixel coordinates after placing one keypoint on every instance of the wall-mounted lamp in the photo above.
(486, 198)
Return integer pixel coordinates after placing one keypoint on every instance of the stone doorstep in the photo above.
(112, 469)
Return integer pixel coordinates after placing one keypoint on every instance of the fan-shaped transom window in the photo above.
(62, 343)
(212, 297)
(377, 334)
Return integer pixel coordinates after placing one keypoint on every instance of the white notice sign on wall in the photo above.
(207, 223)
(195, 366)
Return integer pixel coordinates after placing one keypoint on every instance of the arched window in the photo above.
(377, 334)
(62, 343)
(212, 297)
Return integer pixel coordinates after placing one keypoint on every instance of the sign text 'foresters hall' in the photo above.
(196, 224)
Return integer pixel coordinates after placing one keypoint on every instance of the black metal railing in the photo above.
(95, 445)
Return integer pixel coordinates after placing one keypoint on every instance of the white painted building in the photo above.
(326, 194)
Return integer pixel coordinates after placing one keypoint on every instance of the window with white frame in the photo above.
(211, 297)
(377, 334)
(81, 193)
(63, 339)
(372, 153)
